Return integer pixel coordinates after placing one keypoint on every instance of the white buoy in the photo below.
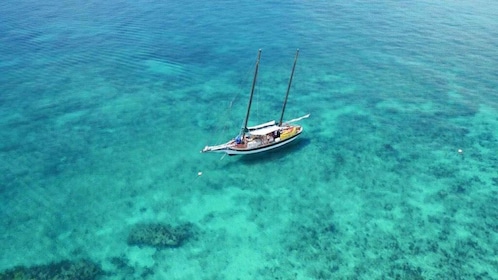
(460, 151)
(199, 173)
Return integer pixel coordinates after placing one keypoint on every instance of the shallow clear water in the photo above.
(104, 107)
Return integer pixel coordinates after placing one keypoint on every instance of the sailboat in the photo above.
(262, 137)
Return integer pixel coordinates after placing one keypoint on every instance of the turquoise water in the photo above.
(105, 105)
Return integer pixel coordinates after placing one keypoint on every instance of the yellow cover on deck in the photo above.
(288, 133)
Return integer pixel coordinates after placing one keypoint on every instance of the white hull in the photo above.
(262, 149)
(230, 148)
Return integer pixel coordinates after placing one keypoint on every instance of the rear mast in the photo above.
(288, 89)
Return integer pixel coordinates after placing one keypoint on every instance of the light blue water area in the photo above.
(105, 105)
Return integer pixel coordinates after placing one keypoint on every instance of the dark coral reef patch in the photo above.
(63, 270)
(159, 235)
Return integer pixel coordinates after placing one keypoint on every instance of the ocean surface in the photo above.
(105, 105)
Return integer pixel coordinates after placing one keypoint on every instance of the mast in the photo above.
(288, 88)
(244, 128)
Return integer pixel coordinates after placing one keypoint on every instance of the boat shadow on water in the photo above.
(275, 154)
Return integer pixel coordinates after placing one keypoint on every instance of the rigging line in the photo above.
(242, 83)
(226, 117)
(228, 111)
(221, 119)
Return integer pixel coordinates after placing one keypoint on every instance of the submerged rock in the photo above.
(64, 270)
(158, 235)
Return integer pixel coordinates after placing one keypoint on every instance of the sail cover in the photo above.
(264, 130)
(261, 125)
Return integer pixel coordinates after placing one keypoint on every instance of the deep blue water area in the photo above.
(105, 105)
